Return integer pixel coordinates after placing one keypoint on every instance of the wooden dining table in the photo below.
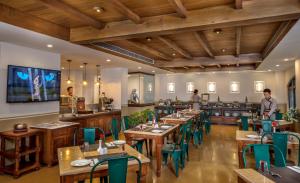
(147, 133)
(243, 140)
(70, 174)
(282, 124)
(182, 119)
(250, 175)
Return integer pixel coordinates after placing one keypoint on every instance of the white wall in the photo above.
(115, 83)
(273, 80)
(11, 54)
(297, 74)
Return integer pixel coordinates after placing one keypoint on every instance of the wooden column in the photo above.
(297, 76)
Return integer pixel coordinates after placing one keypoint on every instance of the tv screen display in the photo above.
(27, 84)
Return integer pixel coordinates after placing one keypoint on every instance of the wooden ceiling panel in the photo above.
(255, 37)
(188, 42)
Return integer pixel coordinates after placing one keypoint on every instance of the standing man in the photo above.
(196, 99)
(268, 105)
(73, 101)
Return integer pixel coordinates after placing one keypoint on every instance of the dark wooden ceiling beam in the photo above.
(148, 49)
(73, 13)
(175, 47)
(126, 11)
(178, 6)
(200, 37)
(17, 18)
(238, 34)
(238, 4)
(283, 28)
(211, 69)
(208, 61)
(256, 12)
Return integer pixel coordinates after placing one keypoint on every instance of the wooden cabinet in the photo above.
(101, 120)
(24, 155)
(56, 138)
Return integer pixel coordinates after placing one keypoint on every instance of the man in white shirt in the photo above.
(268, 105)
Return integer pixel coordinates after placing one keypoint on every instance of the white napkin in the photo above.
(294, 168)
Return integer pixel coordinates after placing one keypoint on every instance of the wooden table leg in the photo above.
(18, 159)
(67, 179)
(158, 142)
(144, 173)
(150, 146)
(240, 146)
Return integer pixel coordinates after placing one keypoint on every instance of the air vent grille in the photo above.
(125, 52)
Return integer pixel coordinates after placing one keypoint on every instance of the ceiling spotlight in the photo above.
(139, 67)
(218, 31)
(174, 54)
(153, 71)
(223, 50)
(108, 60)
(49, 45)
(277, 65)
(148, 39)
(213, 72)
(81, 66)
(269, 70)
(98, 9)
(286, 59)
(62, 68)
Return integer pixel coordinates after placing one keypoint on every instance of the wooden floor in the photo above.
(212, 162)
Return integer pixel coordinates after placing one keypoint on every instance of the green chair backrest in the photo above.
(189, 130)
(261, 153)
(279, 116)
(117, 169)
(266, 125)
(114, 129)
(182, 135)
(89, 134)
(281, 141)
(245, 124)
(126, 122)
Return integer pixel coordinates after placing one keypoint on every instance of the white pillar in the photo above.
(297, 76)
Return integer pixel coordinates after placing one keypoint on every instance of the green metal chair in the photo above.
(114, 129)
(266, 125)
(279, 116)
(188, 138)
(139, 142)
(117, 169)
(244, 122)
(280, 139)
(175, 150)
(262, 152)
(207, 122)
(89, 135)
(198, 130)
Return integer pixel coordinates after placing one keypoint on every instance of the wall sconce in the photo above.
(190, 87)
(234, 87)
(259, 86)
(211, 87)
(171, 87)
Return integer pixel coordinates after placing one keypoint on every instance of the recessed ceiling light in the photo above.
(174, 54)
(286, 59)
(108, 60)
(277, 65)
(81, 66)
(49, 45)
(269, 70)
(223, 50)
(139, 67)
(98, 9)
(218, 31)
(62, 68)
(153, 71)
(148, 39)
(213, 72)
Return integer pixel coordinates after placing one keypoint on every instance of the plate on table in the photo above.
(156, 131)
(81, 162)
(253, 136)
(165, 126)
(119, 142)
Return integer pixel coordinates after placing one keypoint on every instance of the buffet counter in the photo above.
(99, 119)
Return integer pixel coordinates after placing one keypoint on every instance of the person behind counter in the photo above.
(73, 101)
(268, 105)
(196, 99)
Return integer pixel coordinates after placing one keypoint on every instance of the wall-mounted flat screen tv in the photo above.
(28, 84)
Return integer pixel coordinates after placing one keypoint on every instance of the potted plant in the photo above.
(139, 117)
(291, 114)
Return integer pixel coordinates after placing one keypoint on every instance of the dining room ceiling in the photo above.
(174, 35)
